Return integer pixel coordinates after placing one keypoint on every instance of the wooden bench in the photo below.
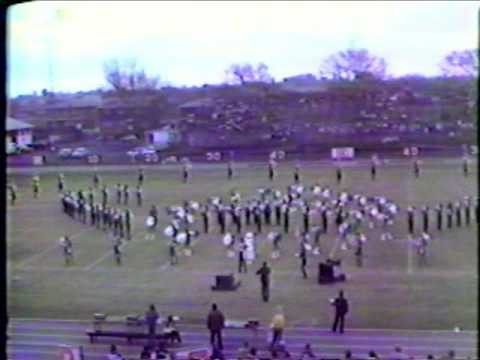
(93, 334)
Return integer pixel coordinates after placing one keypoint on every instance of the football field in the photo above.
(390, 291)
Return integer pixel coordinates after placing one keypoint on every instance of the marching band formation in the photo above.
(269, 212)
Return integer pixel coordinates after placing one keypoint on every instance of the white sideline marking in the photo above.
(47, 250)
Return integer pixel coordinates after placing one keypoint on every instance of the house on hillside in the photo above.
(198, 107)
(161, 138)
(18, 133)
(300, 78)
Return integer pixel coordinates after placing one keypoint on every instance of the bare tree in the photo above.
(125, 76)
(243, 73)
(462, 63)
(353, 64)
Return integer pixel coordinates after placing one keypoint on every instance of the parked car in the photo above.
(65, 153)
(142, 151)
(24, 148)
(12, 149)
(81, 152)
(40, 145)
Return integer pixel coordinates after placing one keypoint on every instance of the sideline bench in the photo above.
(93, 334)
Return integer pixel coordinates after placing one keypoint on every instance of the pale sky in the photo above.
(193, 42)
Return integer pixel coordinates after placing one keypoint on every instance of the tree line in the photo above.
(347, 65)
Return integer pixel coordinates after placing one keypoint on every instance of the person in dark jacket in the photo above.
(341, 309)
(151, 318)
(215, 323)
(339, 175)
(439, 210)
(264, 273)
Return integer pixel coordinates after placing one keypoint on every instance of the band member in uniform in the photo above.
(324, 220)
(242, 264)
(422, 249)
(449, 215)
(416, 168)
(126, 194)
(204, 214)
(465, 166)
(278, 213)
(61, 182)
(67, 250)
(296, 174)
(172, 252)
(339, 175)
(117, 251)
(96, 180)
(248, 214)
(271, 169)
(139, 196)
(13, 194)
(477, 211)
(264, 273)
(128, 224)
(230, 170)
(186, 172)
(90, 196)
(221, 220)
(359, 252)
(467, 205)
(458, 211)
(36, 186)
(286, 218)
(306, 218)
(140, 178)
(439, 210)
(276, 238)
(104, 196)
(411, 220)
(119, 194)
(267, 211)
(425, 211)
(303, 258)
(257, 219)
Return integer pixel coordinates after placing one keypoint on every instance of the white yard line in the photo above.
(110, 252)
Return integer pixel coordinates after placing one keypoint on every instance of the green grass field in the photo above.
(383, 294)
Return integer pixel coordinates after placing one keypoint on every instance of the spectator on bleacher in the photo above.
(279, 351)
(145, 354)
(171, 331)
(215, 323)
(243, 351)
(372, 355)
(114, 354)
(253, 354)
(430, 357)
(450, 355)
(277, 325)
(398, 354)
(348, 355)
(307, 351)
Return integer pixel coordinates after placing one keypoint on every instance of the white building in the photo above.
(19, 133)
